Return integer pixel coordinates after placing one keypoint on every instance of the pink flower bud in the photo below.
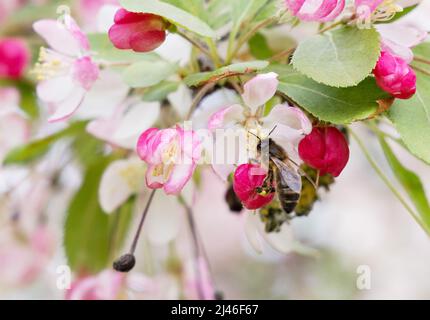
(395, 76)
(141, 32)
(247, 178)
(310, 10)
(325, 149)
(14, 58)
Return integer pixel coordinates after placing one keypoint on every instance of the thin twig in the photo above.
(282, 54)
(242, 40)
(198, 248)
(199, 96)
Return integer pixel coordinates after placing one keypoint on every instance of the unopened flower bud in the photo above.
(248, 184)
(140, 32)
(395, 76)
(325, 149)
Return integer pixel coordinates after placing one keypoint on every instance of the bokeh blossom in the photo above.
(66, 71)
(14, 58)
(310, 10)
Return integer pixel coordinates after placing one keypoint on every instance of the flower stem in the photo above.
(387, 182)
(142, 220)
(332, 26)
(421, 70)
(282, 54)
(194, 42)
(242, 40)
(214, 53)
(199, 252)
(422, 60)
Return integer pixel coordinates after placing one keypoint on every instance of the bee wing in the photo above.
(289, 175)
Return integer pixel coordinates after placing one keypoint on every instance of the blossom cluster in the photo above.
(129, 99)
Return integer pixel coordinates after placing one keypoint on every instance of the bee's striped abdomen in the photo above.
(287, 197)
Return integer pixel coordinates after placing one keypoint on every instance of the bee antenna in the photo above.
(271, 131)
(254, 135)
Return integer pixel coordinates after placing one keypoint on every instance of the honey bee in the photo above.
(284, 175)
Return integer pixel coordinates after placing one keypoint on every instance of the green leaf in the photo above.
(259, 47)
(412, 119)
(87, 228)
(335, 105)
(243, 10)
(148, 73)
(195, 7)
(35, 149)
(224, 72)
(218, 13)
(173, 14)
(341, 58)
(104, 50)
(410, 182)
(87, 148)
(160, 91)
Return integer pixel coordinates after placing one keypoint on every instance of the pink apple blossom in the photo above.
(290, 123)
(24, 256)
(172, 156)
(106, 285)
(66, 71)
(316, 10)
(14, 127)
(368, 11)
(395, 76)
(125, 124)
(14, 58)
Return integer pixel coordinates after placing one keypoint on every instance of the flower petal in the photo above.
(180, 175)
(140, 117)
(58, 37)
(399, 39)
(55, 89)
(154, 181)
(282, 241)
(226, 117)
(290, 122)
(252, 233)
(120, 180)
(66, 108)
(259, 90)
(211, 104)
